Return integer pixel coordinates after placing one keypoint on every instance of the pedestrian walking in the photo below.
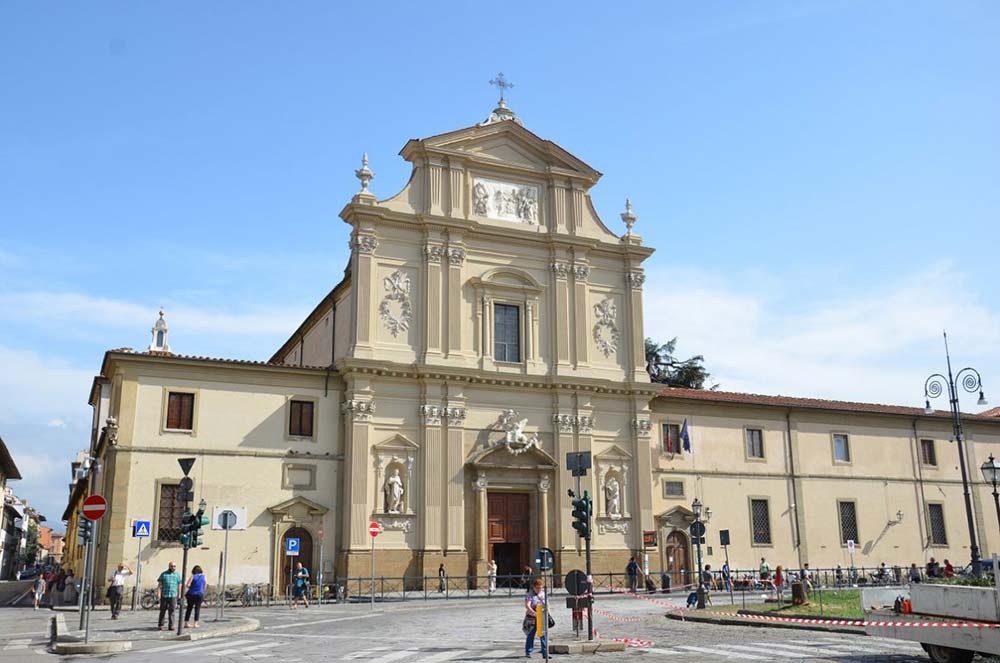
(71, 591)
(442, 575)
(116, 588)
(914, 574)
(39, 589)
(300, 585)
(167, 586)
(764, 570)
(727, 577)
(194, 592)
(807, 575)
(779, 581)
(533, 604)
(632, 572)
(491, 576)
(708, 583)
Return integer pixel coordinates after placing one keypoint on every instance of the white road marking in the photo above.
(774, 653)
(189, 646)
(819, 650)
(723, 652)
(657, 650)
(437, 657)
(244, 650)
(880, 642)
(498, 653)
(363, 652)
(17, 644)
(324, 621)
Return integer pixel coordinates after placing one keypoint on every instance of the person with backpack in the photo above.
(632, 572)
(300, 585)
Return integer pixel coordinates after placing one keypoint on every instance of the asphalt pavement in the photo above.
(480, 631)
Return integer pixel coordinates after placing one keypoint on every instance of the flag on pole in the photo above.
(685, 436)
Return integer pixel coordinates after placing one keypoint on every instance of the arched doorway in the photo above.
(675, 549)
(305, 555)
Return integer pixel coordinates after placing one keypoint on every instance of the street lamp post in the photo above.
(969, 379)
(991, 474)
(698, 531)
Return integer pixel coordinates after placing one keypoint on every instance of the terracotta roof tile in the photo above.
(993, 412)
(813, 403)
(244, 362)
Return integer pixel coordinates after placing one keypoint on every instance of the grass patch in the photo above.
(840, 603)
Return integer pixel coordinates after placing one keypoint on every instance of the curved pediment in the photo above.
(509, 278)
(498, 456)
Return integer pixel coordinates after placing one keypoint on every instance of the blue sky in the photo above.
(821, 179)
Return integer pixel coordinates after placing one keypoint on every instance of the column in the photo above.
(433, 255)
(435, 187)
(363, 246)
(637, 353)
(643, 493)
(544, 483)
(454, 316)
(455, 468)
(482, 520)
(561, 315)
(433, 515)
(581, 271)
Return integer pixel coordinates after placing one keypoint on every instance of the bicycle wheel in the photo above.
(148, 601)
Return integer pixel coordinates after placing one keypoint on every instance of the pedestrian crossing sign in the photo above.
(140, 529)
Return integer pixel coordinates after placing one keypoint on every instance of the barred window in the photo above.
(673, 489)
(506, 333)
(841, 448)
(848, 521)
(755, 443)
(760, 521)
(168, 526)
(927, 453)
(671, 438)
(935, 513)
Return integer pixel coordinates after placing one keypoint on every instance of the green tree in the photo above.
(664, 368)
(30, 552)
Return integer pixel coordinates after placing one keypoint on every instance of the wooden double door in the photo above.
(675, 550)
(509, 518)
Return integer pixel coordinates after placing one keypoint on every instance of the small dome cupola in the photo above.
(161, 332)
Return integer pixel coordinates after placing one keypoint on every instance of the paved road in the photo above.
(480, 632)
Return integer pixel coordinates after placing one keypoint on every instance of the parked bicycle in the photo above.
(149, 600)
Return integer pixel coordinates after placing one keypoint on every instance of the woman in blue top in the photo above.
(194, 593)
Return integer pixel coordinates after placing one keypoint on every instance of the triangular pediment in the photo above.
(505, 144)
(300, 504)
(397, 443)
(613, 453)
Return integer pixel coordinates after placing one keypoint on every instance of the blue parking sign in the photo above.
(140, 529)
(291, 546)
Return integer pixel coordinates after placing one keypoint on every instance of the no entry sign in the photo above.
(94, 507)
(374, 529)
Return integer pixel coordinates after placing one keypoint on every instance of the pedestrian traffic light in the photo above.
(581, 515)
(85, 530)
(199, 520)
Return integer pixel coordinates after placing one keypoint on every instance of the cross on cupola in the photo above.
(501, 113)
(161, 331)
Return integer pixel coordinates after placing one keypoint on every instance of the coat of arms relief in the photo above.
(396, 310)
(516, 440)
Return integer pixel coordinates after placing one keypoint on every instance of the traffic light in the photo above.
(187, 528)
(581, 515)
(85, 530)
(199, 520)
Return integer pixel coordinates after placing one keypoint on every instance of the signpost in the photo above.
(545, 560)
(184, 495)
(374, 529)
(578, 462)
(93, 509)
(850, 549)
(579, 597)
(140, 531)
(291, 551)
(227, 520)
(727, 578)
(319, 571)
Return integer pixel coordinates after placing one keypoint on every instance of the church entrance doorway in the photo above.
(509, 517)
(676, 550)
(305, 556)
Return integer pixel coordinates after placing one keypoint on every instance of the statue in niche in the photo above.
(612, 495)
(393, 490)
(480, 199)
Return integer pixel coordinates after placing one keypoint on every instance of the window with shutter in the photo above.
(841, 448)
(755, 443)
(180, 411)
(927, 452)
(300, 418)
(671, 438)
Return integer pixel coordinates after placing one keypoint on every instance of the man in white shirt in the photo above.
(116, 588)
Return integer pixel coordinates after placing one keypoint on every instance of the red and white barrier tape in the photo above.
(616, 618)
(857, 622)
(672, 607)
(629, 642)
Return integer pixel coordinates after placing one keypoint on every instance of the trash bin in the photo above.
(665, 582)
(798, 593)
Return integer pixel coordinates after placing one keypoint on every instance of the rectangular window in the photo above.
(180, 411)
(760, 521)
(168, 526)
(671, 438)
(935, 513)
(927, 453)
(673, 489)
(848, 521)
(506, 333)
(841, 448)
(755, 443)
(300, 418)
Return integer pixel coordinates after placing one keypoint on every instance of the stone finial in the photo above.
(628, 216)
(365, 174)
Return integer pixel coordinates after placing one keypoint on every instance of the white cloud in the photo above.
(37, 388)
(56, 423)
(50, 308)
(877, 346)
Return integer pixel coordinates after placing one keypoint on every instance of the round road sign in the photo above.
(94, 507)
(374, 529)
(697, 529)
(576, 583)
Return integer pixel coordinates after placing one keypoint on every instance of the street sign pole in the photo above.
(225, 567)
(319, 572)
(84, 592)
(138, 573)
(373, 574)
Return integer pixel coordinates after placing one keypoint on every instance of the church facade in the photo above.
(488, 323)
